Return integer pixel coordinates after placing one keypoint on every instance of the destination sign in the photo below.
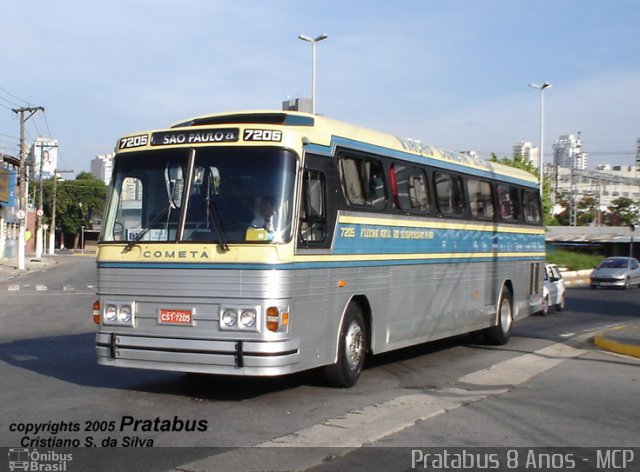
(199, 136)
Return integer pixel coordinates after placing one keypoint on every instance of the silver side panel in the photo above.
(409, 304)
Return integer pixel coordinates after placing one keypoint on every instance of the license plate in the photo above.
(175, 317)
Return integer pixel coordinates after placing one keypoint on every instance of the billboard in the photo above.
(44, 149)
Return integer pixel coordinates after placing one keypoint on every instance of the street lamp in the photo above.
(313, 42)
(541, 87)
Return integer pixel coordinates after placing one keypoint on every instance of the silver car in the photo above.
(622, 272)
(553, 289)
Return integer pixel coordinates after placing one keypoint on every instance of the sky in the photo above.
(451, 73)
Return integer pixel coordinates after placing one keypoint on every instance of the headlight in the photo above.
(248, 318)
(110, 314)
(119, 314)
(125, 314)
(229, 318)
(240, 318)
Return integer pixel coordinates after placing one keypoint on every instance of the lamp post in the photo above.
(541, 87)
(313, 42)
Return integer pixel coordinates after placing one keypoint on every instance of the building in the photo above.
(567, 153)
(9, 197)
(528, 152)
(102, 167)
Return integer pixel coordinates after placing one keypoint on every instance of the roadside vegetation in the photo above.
(572, 260)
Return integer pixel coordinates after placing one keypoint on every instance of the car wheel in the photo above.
(499, 334)
(560, 305)
(627, 284)
(352, 349)
(545, 310)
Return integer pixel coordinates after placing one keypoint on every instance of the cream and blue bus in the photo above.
(264, 243)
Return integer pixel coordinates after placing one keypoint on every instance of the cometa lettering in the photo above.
(172, 254)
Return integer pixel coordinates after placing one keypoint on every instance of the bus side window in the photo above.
(409, 188)
(480, 199)
(509, 204)
(363, 181)
(449, 194)
(313, 220)
(531, 206)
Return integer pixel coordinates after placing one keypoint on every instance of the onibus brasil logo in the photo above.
(21, 458)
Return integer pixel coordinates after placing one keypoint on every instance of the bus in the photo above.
(263, 243)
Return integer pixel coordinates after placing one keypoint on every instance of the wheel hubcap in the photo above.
(354, 345)
(505, 315)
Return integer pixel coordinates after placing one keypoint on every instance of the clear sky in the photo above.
(452, 73)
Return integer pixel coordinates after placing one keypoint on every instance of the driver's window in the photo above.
(313, 224)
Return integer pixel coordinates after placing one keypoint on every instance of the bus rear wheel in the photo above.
(499, 334)
(352, 349)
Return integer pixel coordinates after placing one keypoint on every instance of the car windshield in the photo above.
(220, 195)
(614, 264)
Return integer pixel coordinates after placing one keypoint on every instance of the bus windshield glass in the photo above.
(206, 195)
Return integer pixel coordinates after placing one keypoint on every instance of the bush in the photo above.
(573, 260)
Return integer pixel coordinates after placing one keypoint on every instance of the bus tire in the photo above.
(352, 349)
(499, 335)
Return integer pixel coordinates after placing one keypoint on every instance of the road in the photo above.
(549, 387)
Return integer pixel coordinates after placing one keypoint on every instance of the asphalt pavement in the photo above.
(623, 339)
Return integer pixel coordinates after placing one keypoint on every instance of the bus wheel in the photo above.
(352, 348)
(499, 334)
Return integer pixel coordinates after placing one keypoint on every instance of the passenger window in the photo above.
(313, 221)
(363, 181)
(480, 199)
(508, 201)
(409, 188)
(531, 206)
(449, 194)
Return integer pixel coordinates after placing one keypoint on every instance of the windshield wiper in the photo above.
(159, 216)
(217, 224)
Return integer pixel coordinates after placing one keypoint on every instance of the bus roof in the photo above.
(323, 134)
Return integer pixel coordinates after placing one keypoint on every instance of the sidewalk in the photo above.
(623, 339)
(9, 267)
(576, 278)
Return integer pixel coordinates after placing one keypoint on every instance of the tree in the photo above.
(586, 211)
(623, 211)
(521, 163)
(78, 203)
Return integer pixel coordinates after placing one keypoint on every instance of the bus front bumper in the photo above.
(227, 357)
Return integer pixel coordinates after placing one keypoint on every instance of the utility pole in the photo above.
(40, 243)
(25, 113)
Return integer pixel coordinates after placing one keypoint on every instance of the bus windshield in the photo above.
(222, 195)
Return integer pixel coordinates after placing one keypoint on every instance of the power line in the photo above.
(14, 96)
(46, 123)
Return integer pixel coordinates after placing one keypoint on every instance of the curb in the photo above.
(603, 342)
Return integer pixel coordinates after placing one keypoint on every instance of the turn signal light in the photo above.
(96, 312)
(273, 318)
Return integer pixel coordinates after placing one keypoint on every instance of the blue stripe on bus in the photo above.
(309, 265)
(441, 164)
(380, 239)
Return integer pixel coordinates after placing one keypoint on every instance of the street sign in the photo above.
(21, 214)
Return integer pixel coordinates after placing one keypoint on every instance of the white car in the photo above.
(553, 290)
